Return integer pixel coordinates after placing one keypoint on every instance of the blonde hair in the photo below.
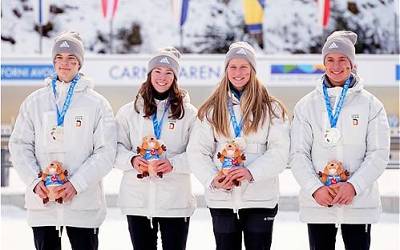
(255, 105)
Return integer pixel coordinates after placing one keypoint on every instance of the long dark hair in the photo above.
(147, 92)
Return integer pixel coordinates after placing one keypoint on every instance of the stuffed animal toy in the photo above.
(333, 173)
(53, 176)
(151, 149)
(231, 156)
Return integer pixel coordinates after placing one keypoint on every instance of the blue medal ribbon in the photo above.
(157, 125)
(334, 117)
(68, 98)
(237, 127)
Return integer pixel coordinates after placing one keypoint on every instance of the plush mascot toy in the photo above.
(53, 176)
(151, 149)
(333, 173)
(231, 156)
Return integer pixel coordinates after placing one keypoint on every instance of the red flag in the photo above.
(107, 10)
(324, 12)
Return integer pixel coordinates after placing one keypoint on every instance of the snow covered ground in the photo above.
(289, 232)
(289, 26)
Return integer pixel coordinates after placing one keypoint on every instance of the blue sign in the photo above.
(26, 72)
(398, 72)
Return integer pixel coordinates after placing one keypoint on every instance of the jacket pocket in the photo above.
(217, 195)
(174, 192)
(91, 199)
(261, 191)
(368, 199)
(133, 193)
(306, 200)
(33, 201)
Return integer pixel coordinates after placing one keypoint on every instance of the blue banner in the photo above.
(26, 72)
(398, 72)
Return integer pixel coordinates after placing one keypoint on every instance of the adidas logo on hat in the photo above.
(241, 51)
(164, 60)
(64, 45)
(333, 46)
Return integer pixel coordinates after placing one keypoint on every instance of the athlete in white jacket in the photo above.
(356, 133)
(162, 112)
(241, 113)
(82, 137)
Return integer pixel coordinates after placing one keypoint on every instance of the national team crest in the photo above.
(355, 118)
(78, 121)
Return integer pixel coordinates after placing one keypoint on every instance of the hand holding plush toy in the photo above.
(151, 150)
(333, 173)
(231, 156)
(53, 176)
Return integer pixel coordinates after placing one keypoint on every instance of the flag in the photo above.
(41, 11)
(324, 12)
(109, 8)
(180, 10)
(253, 15)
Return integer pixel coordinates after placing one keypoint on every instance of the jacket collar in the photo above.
(83, 84)
(162, 103)
(357, 86)
(235, 99)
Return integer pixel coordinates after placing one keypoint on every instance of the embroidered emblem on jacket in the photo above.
(171, 124)
(354, 118)
(78, 121)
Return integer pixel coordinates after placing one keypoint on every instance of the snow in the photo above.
(289, 26)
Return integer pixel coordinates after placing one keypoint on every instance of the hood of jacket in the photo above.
(83, 83)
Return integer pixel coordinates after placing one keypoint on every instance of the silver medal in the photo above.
(241, 142)
(332, 136)
(57, 134)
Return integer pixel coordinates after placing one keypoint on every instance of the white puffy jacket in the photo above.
(363, 149)
(171, 195)
(89, 153)
(266, 153)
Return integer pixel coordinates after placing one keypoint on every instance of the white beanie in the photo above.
(341, 42)
(241, 50)
(166, 57)
(69, 42)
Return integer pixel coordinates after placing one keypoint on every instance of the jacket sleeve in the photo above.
(300, 153)
(180, 162)
(377, 150)
(124, 145)
(22, 146)
(275, 158)
(200, 152)
(101, 161)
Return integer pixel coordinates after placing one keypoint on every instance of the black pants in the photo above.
(255, 223)
(174, 232)
(47, 238)
(355, 236)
